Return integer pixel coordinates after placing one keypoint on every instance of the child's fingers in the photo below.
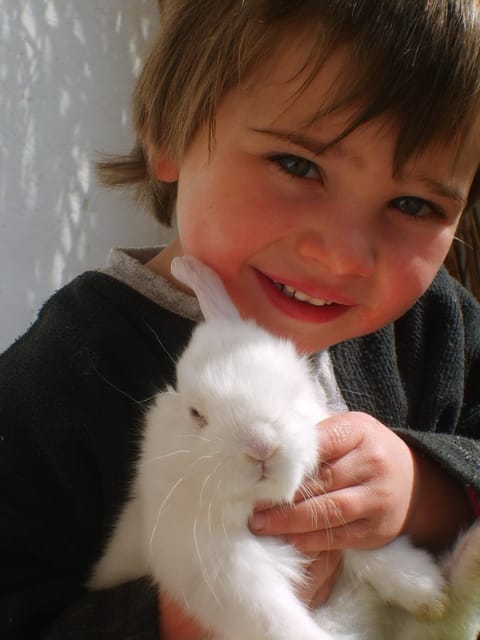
(322, 512)
(348, 471)
(341, 434)
(353, 535)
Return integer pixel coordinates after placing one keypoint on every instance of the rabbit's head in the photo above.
(250, 399)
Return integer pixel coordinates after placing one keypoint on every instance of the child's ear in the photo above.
(164, 168)
(162, 164)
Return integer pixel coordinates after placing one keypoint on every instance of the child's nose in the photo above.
(342, 249)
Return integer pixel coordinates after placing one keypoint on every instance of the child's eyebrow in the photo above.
(317, 147)
(443, 190)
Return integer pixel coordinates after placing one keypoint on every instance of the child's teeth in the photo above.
(304, 298)
(290, 292)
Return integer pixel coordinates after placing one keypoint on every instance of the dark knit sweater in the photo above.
(72, 393)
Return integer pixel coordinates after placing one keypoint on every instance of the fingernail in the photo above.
(258, 521)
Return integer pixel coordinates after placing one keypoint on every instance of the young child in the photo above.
(318, 156)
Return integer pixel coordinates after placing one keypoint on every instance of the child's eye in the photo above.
(297, 166)
(414, 207)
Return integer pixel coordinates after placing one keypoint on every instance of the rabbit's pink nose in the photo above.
(260, 451)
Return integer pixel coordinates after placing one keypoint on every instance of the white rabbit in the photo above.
(240, 427)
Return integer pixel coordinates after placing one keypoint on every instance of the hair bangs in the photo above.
(426, 80)
(416, 63)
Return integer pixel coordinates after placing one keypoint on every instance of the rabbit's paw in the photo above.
(429, 592)
(415, 582)
(433, 606)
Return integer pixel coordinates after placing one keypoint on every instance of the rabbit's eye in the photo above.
(199, 419)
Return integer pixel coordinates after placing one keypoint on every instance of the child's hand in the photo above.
(362, 496)
(370, 487)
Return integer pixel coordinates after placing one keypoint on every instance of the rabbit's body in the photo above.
(240, 428)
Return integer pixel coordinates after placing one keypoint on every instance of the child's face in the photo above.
(272, 217)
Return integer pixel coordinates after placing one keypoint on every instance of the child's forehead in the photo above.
(290, 80)
(285, 95)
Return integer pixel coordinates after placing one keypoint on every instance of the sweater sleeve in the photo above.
(420, 377)
(72, 395)
(453, 438)
(446, 423)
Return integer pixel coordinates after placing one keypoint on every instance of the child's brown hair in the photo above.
(417, 61)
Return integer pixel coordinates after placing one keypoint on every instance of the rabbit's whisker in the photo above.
(157, 338)
(328, 528)
(210, 507)
(204, 484)
(166, 455)
(219, 484)
(210, 475)
(205, 575)
(225, 530)
(307, 491)
(185, 600)
(313, 514)
(124, 393)
(356, 393)
(207, 457)
(194, 435)
(159, 513)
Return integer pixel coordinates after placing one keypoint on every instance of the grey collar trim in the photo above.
(128, 266)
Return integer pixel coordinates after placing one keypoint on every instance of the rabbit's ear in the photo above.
(207, 286)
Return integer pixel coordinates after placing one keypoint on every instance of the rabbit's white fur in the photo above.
(240, 428)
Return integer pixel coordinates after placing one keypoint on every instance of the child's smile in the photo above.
(317, 245)
(293, 300)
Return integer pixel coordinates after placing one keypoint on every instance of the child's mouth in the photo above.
(296, 303)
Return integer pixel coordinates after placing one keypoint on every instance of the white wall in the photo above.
(67, 68)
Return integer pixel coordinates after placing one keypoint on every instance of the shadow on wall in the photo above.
(67, 70)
